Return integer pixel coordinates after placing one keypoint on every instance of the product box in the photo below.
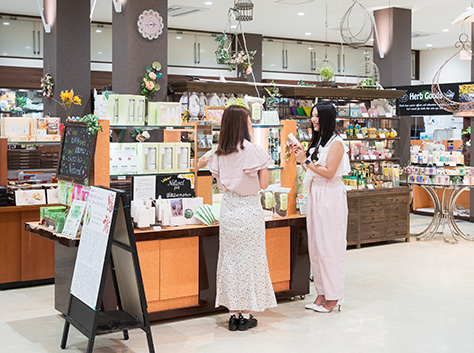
(126, 109)
(148, 156)
(169, 113)
(124, 159)
(270, 117)
(182, 157)
(16, 128)
(301, 202)
(152, 117)
(166, 157)
(30, 197)
(46, 129)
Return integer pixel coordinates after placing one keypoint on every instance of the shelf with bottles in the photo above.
(434, 175)
(369, 175)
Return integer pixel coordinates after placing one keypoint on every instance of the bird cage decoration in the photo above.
(326, 71)
(244, 10)
(445, 99)
(358, 36)
(369, 75)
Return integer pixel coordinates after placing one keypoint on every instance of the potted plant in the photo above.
(327, 74)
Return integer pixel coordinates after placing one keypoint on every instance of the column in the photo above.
(394, 30)
(67, 53)
(131, 53)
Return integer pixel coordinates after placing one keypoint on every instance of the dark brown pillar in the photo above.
(131, 53)
(254, 42)
(67, 53)
(394, 29)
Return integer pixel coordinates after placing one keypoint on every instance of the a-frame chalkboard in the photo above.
(107, 245)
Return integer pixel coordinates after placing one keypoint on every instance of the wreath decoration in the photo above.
(148, 85)
(47, 85)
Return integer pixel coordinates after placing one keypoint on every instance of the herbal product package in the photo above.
(267, 200)
(255, 105)
(281, 202)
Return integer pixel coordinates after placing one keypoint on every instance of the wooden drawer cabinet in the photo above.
(378, 215)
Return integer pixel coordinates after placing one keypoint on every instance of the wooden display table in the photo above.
(179, 265)
(25, 259)
(378, 215)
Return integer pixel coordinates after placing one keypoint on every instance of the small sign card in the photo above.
(74, 217)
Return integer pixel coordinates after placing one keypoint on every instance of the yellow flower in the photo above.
(77, 100)
(67, 96)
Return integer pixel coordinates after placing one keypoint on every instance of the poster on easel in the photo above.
(93, 245)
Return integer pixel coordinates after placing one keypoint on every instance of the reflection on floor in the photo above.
(412, 297)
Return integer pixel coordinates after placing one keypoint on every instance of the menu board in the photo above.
(77, 153)
(93, 245)
(175, 186)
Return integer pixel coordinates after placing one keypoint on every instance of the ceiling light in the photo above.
(6, 23)
(429, 45)
(28, 47)
(208, 3)
(310, 48)
(300, 13)
(98, 31)
(99, 52)
(233, 26)
(307, 34)
(179, 37)
(446, 30)
(371, 39)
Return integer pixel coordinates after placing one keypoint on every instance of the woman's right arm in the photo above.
(202, 162)
(263, 178)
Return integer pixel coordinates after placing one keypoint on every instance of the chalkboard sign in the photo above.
(175, 186)
(77, 153)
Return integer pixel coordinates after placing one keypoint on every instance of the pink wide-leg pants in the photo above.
(327, 227)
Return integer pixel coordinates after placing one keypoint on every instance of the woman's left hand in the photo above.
(202, 162)
(300, 154)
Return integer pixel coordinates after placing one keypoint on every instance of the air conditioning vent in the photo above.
(294, 2)
(422, 34)
(180, 10)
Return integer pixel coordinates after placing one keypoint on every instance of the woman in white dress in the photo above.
(326, 161)
(240, 168)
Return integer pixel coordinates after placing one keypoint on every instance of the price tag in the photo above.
(344, 136)
(439, 164)
(452, 164)
(382, 136)
(360, 136)
(366, 156)
(370, 186)
(365, 115)
(372, 156)
(169, 128)
(348, 188)
(156, 227)
(51, 227)
(121, 177)
(388, 115)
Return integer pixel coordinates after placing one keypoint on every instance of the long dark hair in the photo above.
(234, 130)
(327, 127)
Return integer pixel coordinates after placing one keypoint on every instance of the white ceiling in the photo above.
(279, 18)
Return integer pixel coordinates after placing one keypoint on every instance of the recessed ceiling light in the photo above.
(99, 52)
(310, 48)
(98, 31)
(233, 26)
(208, 3)
(6, 23)
(446, 30)
(179, 37)
(300, 13)
(28, 47)
(371, 39)
(307, 34)
(429, 45)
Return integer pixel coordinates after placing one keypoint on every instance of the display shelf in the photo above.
(375, 160)
(171, 127)
(45, 170)
(218, 127)
(371, 139)
(128, 175)
(34, 143)
(368, 118)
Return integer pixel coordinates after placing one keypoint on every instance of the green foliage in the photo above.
(327, 72)
(273, 95)
(92, 123)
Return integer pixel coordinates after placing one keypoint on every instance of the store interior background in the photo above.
(433, 39)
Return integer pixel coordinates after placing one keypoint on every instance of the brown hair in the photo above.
(234, 130)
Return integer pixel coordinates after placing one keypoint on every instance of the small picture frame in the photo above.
(214, 114)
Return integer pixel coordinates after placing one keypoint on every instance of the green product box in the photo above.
(50, 211)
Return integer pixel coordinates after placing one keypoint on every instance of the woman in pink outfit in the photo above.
(240, 168)
(326, 161)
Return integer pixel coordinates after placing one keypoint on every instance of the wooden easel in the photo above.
(121, 258)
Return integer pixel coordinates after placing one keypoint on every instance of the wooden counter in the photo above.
(179, 265)
(25, 259)
(378, 215)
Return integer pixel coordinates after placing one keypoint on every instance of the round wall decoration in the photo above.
(150, 24)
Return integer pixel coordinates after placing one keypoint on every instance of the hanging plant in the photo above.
(232, 59)
(148, 85)
(47, 85)
(273, 95)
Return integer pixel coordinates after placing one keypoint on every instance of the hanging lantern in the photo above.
(244, 10)
(363, 32)
(369, 74)
(445, 99)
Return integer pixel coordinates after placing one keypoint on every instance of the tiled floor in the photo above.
(400, 297)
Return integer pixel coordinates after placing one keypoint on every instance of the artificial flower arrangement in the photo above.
(92, 122)
(242, 57)
(47, 85)
(68, 100)
(149, 85)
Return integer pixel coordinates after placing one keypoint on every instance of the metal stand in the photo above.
(443, 213)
